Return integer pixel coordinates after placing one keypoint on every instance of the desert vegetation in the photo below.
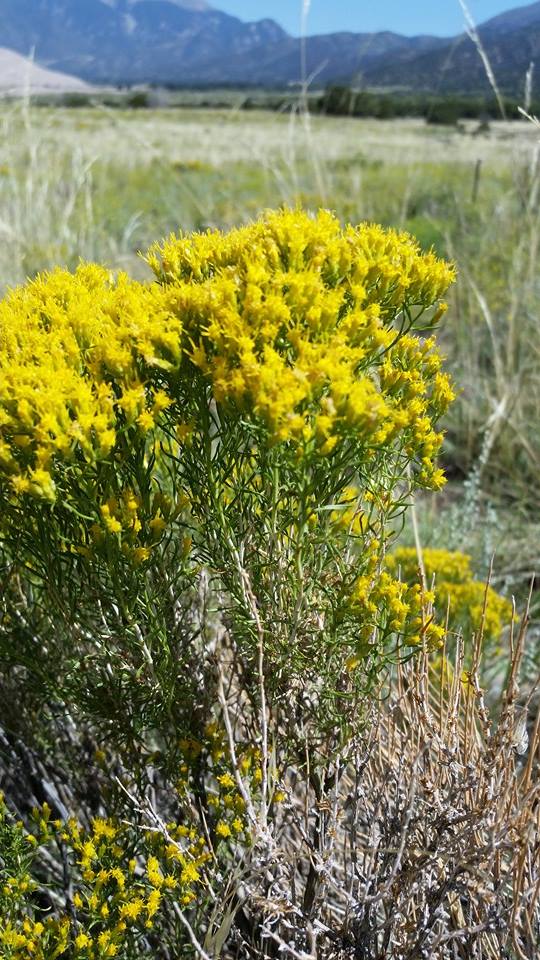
(268, 630)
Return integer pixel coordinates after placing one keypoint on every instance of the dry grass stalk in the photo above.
(476, 39)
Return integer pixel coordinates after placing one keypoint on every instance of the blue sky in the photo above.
(440, 17)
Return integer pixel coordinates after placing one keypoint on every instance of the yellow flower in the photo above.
(226, 780)
(82, 941)
(20, 484)
(161, 401)
(140, 555)
(103, 828)
(116, 874)
(88, 852)
(157, 525)
(153, 902)
(153, 872)
(145, 420)
(223, 829)
(190, 873)
(131, 910)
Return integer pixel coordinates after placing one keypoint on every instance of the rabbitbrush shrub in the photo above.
(255, 420)
(199, 481)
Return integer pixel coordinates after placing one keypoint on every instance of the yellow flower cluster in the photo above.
(303, 326)
(117, 894)
(135, 528)
(302, 323)
(123, 879)
(456, 590)
(386, 605)
(76, 351)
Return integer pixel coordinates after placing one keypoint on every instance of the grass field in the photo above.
(103, 184)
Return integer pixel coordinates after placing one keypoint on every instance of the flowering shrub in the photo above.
(199, 482)
(471, 606)
(221, 414)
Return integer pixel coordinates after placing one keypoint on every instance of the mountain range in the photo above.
(189, 42)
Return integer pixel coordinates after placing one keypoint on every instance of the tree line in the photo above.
(447, 109)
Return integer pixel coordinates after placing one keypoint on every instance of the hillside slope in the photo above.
(19, 74)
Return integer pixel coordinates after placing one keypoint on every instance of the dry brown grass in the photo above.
(422, 842)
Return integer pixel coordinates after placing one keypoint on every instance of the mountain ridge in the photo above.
(190, 42)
